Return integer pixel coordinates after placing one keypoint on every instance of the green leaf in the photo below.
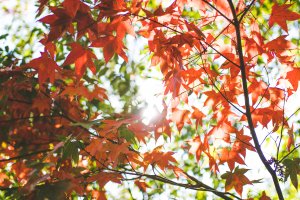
(71, 150)
(86, 125)
(292, 169)
(3, 36)
(127, 134)
(47, 191)
(257, 180)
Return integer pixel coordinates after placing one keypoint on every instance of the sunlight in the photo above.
(149, 113)
(151, 93)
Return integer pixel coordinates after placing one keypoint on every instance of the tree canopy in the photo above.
(73, 124)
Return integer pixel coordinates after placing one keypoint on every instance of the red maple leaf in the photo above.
(46, 68)
(280, 14)
(60, 22)
(111, 45)
(97, 93)
(62, 18)
(83, 59)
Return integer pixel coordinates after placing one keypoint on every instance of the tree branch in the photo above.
(284, 157)
(246, 11)
(199, 186)
(247, 102)
(25, 155)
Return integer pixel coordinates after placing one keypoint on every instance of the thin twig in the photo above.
(284, 157)
(25, 155)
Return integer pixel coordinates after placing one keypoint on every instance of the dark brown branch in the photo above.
(199, 186)
(244, 12)
(265, 92)
(247, 103)
(292, 114)
(27, 118)
(25, 155)
(20, 101)
(281, 131)
(223, 95)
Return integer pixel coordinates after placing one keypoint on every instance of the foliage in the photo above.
(229, 71)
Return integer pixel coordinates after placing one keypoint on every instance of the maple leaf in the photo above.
(46, 68)
(264, 196)
(98, 194)
(280, 14)
(173, 83)
(293, 77)
(104, 177)
(156, 157)
(230, 156)
(80, 90)
(49, 46)
(236, 179)
(180, 117)
(60, 22)
(140, 131)
(111, 45)
(280, 44)
(223, 6)
(42, 104)
(191, 75)
(95, 147)
(116, 151)
(197, 146)
(292, 170)
(42, 6)
(111, 38)
(242, 143)
(142, 185)
(83, 59)
(198, 115)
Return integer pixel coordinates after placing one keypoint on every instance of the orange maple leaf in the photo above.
(140, 131)
(156, 157)
(264, 196)
(293, 77)
(236, 179)
(280, 14)
(104, 177)
(197, 146)
(142, 185)
(180, 117)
